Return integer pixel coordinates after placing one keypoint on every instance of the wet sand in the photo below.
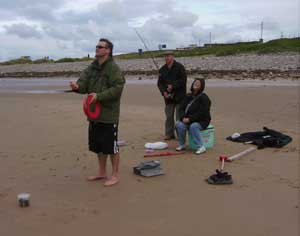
(61, 84)
(43, 151)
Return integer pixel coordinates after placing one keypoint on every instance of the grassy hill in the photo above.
(27, 60)
(273, 46)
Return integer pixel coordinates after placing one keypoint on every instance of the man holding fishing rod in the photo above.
(172, 85)
(103, 82)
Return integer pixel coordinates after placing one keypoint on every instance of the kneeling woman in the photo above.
(194, 116)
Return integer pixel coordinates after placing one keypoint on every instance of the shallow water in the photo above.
(34, 85)
(59, 85)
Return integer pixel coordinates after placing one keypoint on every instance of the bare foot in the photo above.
(112, 181)
(98, 177)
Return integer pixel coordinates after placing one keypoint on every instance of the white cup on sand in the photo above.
(23, 199)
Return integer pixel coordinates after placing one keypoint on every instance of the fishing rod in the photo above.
(151, 55)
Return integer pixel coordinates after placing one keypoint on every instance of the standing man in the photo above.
(172, 85)
(103, 80)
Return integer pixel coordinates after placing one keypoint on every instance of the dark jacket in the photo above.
(199, 109)
(262, 139)
(175, 76)
(108, 82)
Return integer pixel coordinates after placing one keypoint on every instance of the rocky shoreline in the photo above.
(270, 66)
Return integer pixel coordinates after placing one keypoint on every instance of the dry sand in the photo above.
(43, 151)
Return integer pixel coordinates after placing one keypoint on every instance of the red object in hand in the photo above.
(87, 108)
(223, 157)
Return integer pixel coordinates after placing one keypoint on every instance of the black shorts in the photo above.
(103, 138)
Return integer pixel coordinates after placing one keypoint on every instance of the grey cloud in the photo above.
(22, 4)
(32, 9)
(104, 13)
(109, 19)
(23, 31)
(62, 45)
(59, 33)
(181, 19)
(72, 17)
(120, 11)
(38, 12)
(159, 21)
(155, 29)
(68, 32)
(137, 8)
(87, 45)
(172, 29)
(267, 25)
(8, 16)
(222, 33)
(85, 36)
(84, 32)
(110, 11)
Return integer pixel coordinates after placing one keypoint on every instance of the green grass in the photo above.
(23, 60)
(41, 61)
(273, 46)
(17, 61)
(69, 59)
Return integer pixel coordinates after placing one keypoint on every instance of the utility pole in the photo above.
(261, 31)
(209, 37)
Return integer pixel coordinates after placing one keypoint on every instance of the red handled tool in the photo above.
(160, 154)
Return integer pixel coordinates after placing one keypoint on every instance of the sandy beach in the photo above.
(43, 151)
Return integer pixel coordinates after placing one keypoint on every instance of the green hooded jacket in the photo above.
(107, 81)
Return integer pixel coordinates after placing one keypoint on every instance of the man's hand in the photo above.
(169, 88)
(186, 120)
(94, 97)
(166, 95)
(74, 86)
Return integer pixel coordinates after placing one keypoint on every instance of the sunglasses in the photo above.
(99, 47)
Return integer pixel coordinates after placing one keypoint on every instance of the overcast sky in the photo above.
(71, 28)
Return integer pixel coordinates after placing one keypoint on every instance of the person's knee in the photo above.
(102, 156)
(180, 125)
(194, 126)
(115, 155)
